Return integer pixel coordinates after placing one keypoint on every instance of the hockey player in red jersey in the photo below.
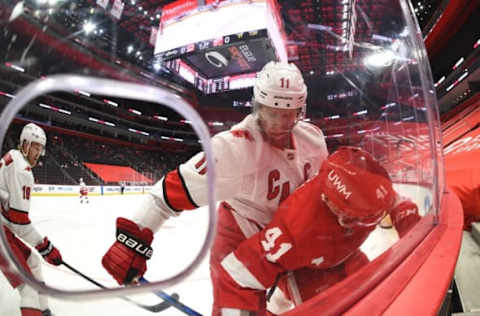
(259, 162)
(316, 232)
(16, 184)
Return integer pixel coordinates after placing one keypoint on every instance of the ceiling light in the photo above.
(458, 63)
(17, 11)
(382, 58)
(157, 66)
(477, 43)
(88, 27)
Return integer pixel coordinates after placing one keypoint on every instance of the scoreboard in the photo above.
(220, 60)
(219, 45)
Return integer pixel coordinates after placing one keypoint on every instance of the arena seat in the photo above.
(111, 173)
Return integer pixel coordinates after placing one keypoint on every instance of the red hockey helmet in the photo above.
(358, 189)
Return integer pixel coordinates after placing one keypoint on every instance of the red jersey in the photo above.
(303, 233)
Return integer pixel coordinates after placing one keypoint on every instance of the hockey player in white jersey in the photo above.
(259, 162)
(83, 191)
(16, 184)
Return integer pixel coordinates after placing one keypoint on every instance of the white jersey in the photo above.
(252, 175)
(16, 180)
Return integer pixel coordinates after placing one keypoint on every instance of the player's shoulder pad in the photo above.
(234, 146)
(310, 134)
(13, 157)
(237, 137)
(243, 132)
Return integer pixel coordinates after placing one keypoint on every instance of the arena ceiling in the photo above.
(127, 38)
(117, 47)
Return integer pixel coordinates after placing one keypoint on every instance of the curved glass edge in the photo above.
(433, 112)
(107, 87)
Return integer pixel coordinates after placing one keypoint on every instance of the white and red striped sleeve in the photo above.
(186, 187)
(16, 178)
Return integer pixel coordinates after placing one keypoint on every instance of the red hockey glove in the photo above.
(405, 216)
(126, 258)
(49, 252)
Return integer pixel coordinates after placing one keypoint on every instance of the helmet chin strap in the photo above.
(28, 145)
(260, 123)
(269, 139)
(355, 222)
(332, 209)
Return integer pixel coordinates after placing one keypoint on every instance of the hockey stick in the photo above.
(173, 301)
(152, 308)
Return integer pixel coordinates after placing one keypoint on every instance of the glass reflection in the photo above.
(351, 74)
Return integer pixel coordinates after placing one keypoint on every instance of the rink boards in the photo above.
(420, 195)
(66, 219)
(73, 190)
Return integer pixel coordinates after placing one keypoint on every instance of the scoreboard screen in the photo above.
(218, 45)
(220, 59)
(231, 55)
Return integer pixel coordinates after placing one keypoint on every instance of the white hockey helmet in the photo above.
(280, 85)
(33, 133)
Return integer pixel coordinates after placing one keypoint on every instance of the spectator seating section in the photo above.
(115, 174)
(68, 151)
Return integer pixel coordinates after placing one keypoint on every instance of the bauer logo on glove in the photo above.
(140, 248)
(126, 258)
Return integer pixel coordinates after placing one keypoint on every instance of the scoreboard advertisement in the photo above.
(211, 45)
(227, 56)
(219, 60)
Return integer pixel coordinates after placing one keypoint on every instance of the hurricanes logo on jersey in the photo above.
(338, 184)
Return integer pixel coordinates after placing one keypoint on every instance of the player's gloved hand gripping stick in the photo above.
(126, 259)
(49, 252)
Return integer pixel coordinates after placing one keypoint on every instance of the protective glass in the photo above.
(147, 86)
